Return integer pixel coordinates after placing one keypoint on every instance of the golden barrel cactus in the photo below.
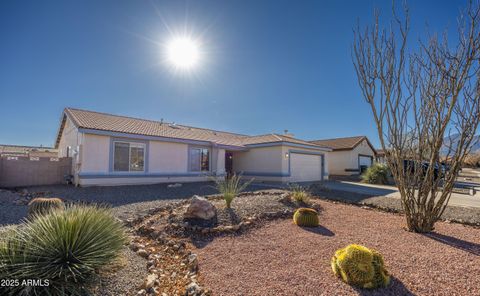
(359, 266)
(43, 206)
(305, 217)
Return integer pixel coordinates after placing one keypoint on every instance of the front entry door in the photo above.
(229, 164)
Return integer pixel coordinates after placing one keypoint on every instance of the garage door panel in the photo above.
(305, 167)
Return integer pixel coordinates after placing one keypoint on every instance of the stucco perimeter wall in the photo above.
(341, 161)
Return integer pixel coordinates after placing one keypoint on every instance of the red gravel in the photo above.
(283, 259)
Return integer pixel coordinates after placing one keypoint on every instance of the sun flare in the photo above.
(183, 53)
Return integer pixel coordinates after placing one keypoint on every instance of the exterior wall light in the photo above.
(287, 155)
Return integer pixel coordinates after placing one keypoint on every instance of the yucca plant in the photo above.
(299, 193)
(44, 205)
(63, 247)
(231, 187)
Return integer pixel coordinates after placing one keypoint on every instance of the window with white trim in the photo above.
(199, 160)
(128, 157)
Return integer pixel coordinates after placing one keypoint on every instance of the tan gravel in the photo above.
(283, 259)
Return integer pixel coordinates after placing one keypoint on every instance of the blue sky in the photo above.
(268, 65)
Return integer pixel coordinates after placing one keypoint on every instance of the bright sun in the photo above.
(183, 53)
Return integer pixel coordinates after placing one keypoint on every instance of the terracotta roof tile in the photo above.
(342, 143)
(108, 122)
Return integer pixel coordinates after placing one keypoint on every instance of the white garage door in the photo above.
(305, 167)
(365, 161)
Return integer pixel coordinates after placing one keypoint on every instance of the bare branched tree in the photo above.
(419, 96)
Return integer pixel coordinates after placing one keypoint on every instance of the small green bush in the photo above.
(63, 247)
(305, 217)
(299, 193)
(43, 205)
(231, 187)
(359, 266)
(376, 174)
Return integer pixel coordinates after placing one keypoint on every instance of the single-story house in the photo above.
(349, 156)
(108, 149)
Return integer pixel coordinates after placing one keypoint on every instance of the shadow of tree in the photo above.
(470, 247)
(396, 287)
(321, 230)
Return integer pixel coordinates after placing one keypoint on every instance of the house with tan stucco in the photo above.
(110, 149)
(349, 156)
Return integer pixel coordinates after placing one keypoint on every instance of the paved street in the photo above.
(457, 199)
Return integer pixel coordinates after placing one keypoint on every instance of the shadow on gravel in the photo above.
(396, 287)
(319, 230)
(472, 248)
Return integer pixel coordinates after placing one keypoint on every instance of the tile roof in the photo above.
(122, 124)
(347, 143)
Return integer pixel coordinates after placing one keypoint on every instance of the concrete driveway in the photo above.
(461, 200)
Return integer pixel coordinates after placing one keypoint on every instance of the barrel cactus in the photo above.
(306, 217)
(361, 267)
(43, 205)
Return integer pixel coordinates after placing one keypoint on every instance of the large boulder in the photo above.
(200, 208)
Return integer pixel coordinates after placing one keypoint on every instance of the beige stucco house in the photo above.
(349, 156)
(108, 149)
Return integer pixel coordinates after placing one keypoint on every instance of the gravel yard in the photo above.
(127, 201)
(125, 278)
(283, 259)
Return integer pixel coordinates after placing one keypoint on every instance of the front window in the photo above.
(199, 160)
(128, 157)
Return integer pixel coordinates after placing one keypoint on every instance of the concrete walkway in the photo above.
(457, 199)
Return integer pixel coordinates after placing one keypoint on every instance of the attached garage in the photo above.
(306, 167)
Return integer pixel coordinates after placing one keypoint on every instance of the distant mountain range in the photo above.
(454, 139)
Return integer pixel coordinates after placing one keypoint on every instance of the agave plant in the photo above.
(231, 187)
(63, 247)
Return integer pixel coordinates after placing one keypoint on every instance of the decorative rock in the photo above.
(193, 289)
(136, 246)
(150, 281)
(193, 263)
(142, 253)
(142, 292)
(200, 208)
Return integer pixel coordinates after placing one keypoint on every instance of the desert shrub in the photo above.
(43, 205)
(376, 174)
(63, 247)
(305, 217)
(359, 266)
(229, 188)
(299, 193)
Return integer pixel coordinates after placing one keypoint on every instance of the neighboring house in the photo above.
(380, 156)
(350, 156)
(28, 151)
(112, 150)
